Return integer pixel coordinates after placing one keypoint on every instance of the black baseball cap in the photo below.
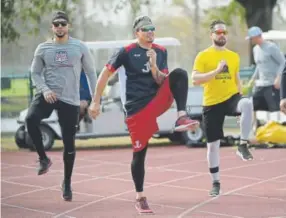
(60, 15)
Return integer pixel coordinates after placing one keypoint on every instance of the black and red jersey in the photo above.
(138, 86)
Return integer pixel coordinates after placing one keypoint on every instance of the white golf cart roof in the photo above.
(167, 41)
(274, 35)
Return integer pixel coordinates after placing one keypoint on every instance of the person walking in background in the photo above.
(270, 63)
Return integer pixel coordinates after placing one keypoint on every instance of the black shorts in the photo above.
(266, 99)
(213, 117)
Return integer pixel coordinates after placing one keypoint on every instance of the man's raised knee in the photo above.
(179, 72)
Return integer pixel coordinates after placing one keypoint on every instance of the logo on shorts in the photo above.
(61, 57)
(137, 144)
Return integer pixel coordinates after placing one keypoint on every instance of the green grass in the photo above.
(14, 104)
(19, 87)
(16, 98)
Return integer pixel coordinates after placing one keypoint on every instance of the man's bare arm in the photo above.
(253, 77)
(101, 84)
(158, 75)
(200, 78)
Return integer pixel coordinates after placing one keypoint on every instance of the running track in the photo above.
(177, 184)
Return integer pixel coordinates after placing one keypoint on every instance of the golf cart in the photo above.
(111, 123)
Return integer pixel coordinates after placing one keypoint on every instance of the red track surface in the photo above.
(177, 184)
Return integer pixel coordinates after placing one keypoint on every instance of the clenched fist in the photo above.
(94, 110)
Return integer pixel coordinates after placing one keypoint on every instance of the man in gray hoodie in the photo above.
(270, 63)
(55, 70)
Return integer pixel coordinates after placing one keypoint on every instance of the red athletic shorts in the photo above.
(143, 124)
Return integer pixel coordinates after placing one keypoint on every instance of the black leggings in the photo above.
(179, 84)
(68, 117)
(178, 80)
(138, 168)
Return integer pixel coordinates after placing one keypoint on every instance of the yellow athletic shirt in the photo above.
(223, 85)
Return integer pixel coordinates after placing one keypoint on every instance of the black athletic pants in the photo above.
(68, 118)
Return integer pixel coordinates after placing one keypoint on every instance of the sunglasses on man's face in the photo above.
(58, 23)
(147, 29)
(219, 32)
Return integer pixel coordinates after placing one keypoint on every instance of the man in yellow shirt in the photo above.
(217, 70)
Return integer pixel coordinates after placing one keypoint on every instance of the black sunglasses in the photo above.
(58, 23)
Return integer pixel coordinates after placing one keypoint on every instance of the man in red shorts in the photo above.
(149, 90)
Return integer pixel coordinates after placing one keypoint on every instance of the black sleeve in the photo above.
(283, 86)
(116, 60)
(163, 67)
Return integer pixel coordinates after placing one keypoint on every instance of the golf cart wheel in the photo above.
(20, 137)
(48, 138)
(193, 138)
(175, 137)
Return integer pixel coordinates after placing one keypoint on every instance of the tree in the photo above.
(29, 13)
(226, 13)
(135, 8)
(191, 10)
(258, 12)
(250, 12)
(7, 18)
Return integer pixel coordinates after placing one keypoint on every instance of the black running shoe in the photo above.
(215, 191)
(44, 166)
(67, 192)
(244, 153)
